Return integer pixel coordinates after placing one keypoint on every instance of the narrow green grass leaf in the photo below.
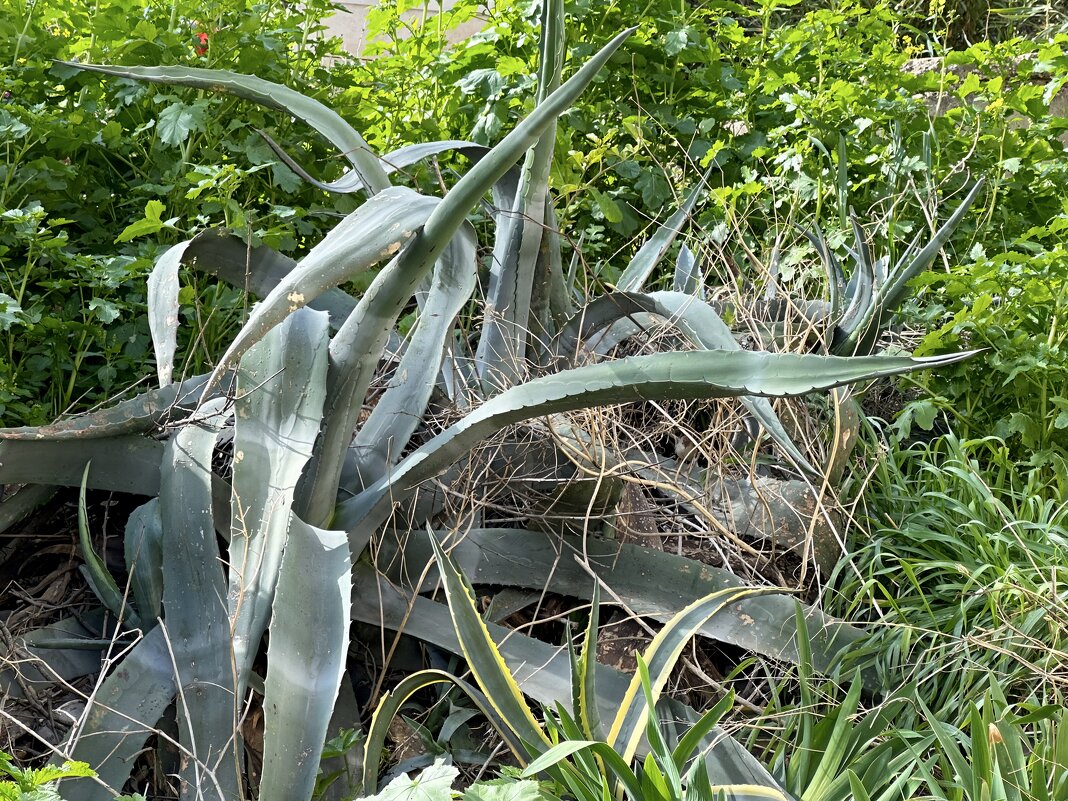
(96, 572)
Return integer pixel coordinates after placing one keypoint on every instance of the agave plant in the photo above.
(311, 483)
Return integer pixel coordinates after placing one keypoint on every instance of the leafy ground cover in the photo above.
(951, 517)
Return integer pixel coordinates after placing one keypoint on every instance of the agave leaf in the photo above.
(392, 702)
(501, 349)
(121, 717)
(374, 232)
(463, 197)
(704, 327)
(309, 642)
(688, 277)
(123, 464)
(96, 572)
(281, 385)
(484, 658)
(836, 287)
(656, 247)
(354, 353)
(399, 411)
(539, 669)
(257, 270)
(696, 374)
(197, 625)
(323, 119)
(863, 330)
(656, 584)
(19, 506)
(392, 162)
(143, 545)
(65, 650)
(139, 415)
(163, 309)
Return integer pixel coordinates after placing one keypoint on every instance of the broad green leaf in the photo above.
(323, 119)
(178, 120)
(163, 309)
(123, 464)
(432, 784)
(309, 643)
(281, 384)
(506, 790)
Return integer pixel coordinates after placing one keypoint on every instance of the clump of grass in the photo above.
(963, 570)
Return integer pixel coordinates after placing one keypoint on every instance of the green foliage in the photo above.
(36, 784)
(85, 165)
(963, 574)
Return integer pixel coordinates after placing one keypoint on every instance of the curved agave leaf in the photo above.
(257, 270)
(372, 233)
(354, 353)
(467, 192)
(96, 572)
(121, 716)
(384, 436)
(23, 503)
(143, 546)
(539, 669)
(197, 625)
(139, 415)
(501, 350)
(662, 655)
(323, 119)
(696, 374)
(392, 162)
(281, 385)
(656, 584)
(309, 642)
(163, 309)
(656, 247)
(836, 286)
(123, 464)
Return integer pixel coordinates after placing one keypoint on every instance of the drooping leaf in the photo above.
(96, 572)
(696, 374)
(143, 546)
(375, 232)
(322, 118)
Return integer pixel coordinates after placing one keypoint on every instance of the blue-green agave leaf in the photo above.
(281, 385)
(323, 119)
(309, 642)
(143, 547)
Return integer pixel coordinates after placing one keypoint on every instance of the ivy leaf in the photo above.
(506, 790)
(178, 120)
(433, 784)
(10, 312)
(151, 223)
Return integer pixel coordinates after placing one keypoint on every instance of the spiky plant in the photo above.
(312, 483)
